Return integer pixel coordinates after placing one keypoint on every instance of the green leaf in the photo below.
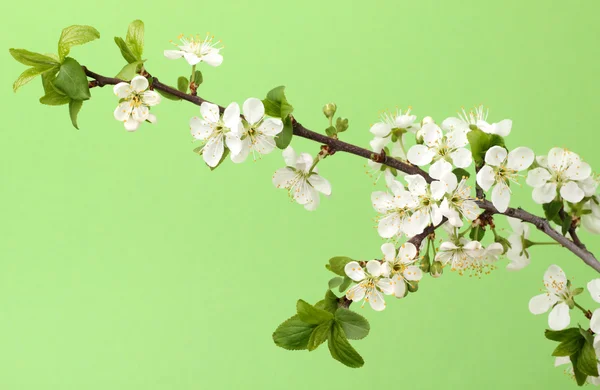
(74, 108)
(183, 84)
(293, 334)
(167, 95)
(310, 314)
(73, 36)
(337, 264)
(25, 77)
(587, 362)
(480, 143)
(52, 97)
(129, 71)
(562, 335)
(331, 131)
(36, 60)
(341, 350)
(225, 154)
(335, 282)
(330, 303)
(566, 224)
(460, 173)
(477, 234)
(319, 335)
(126, 51)
(552, 209)
(135, 38)
(277, 95)
(284, 138)
(355, 326)
(580, 377)
(345, 284)
(72, 81)
(198, 79)
(569, 346)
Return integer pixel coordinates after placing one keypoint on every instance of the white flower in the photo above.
(478, 117)
(555, 297)
(591, 220)
(393, 128)
(395, 211)
(500, 169)
(196, 50)
(400, 266)
(460, 254)
(370, 284)
(437, 145)
(560, 171)
(217, 131)
(517, 254)
(258, 133)
(459, 204)
(426, 211)
(135, 100)
(302, 183)
(589, 186)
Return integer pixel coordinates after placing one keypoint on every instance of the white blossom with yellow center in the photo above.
(439, 146)
(399, 265)
(370, 285)
(135, 102)
(459, 204)
(258, 133)
(195, 49)
(555, 297)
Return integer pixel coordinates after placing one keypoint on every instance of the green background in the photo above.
(126, 264)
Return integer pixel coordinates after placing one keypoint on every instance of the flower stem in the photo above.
(587, 313)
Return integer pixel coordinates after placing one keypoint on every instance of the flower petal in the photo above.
(356, 293)
(139, 83)
(374, 268)
(579, 171)
(438, 169)
(412, 272)
(486, 177)
(210, 112)
(201, 129)
(544, 194)
(173, 54)
(407, 252)
(461, 157)
(354, 271)
(231, 116)
(213, 58)
(495, 155)
(254, 110)
(380, 129)
(271, 126)
(122, 90)
(123, 111)
(320, 184)
(538, 177)
(555, 280)
(520, 159)
(571, 192)
(213, 151)
(593, 287)
(595, 321)
(375, 299)
(501, 197)
(541, 303)
(420, 155)
(389, 251)
(559, 317)
(283, 177)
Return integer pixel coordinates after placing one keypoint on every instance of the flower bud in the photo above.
(437, 269)
(427, 120)
(412, 285)
(425, 264)
(329, 110)
(341, 124)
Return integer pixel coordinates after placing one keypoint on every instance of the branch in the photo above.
(335, 145)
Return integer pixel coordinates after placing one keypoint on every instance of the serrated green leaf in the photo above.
(284, 138)
(198, 79)
(36, 60)
(310, 314)
(330, 303)
(25, 77)
(586, 335)
(355, 326)
(129, 71)
(319, 335)
(126, 51)
(73, 36)
(52, 96)
(293, 334)
(74, 108)
(460, 173)
(72, 81)
(552, 209)
(335, 282)
(562, 335)
(580, 377)
(183, 84)
(276, 103)
(347, 282)
(587, 362)
(341, 350)
(167, 95)
(135, 38)
(569, 346)
(337, 264)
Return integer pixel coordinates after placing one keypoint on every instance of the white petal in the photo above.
(538, 177)
(556, 158)
(210, 112)
(470, 210)
(254, 110)
(486, 177)
(382, 201)
(213, 58)
(122, 90)
(416, 184)
(173, 54)
(139, 83)
(389, 226)
(131, 124)
(123, 111)
(356, 293)
(234, 143)
(231, 116)
(457, 138)
(579, 171)
(399, 286)
(213, 151)
(374, 268)
(289, 156)
(432, 134)
(520, 159)
(495, 155)
(571, 192)
(560, 360)
(271, 126)
(438, 189)
(555, 279)
(501, 197)
(541, 303)
(150, 98)
(593, 287)
(389, 251)
(420, 155)
(263, 144)
(140, 113)
(439, 168)
(407, 252)
(320, 184)
(386, 286)
(376, 301)
(544, 194)
(191, 58)
(412, 272)
(283, 177)
(380, 129)
(461, 157)
(595, 321)
(559, 317)
(354, 271)
(243, 154)
(200, 129)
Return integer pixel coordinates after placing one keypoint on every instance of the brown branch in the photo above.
(541, 224)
